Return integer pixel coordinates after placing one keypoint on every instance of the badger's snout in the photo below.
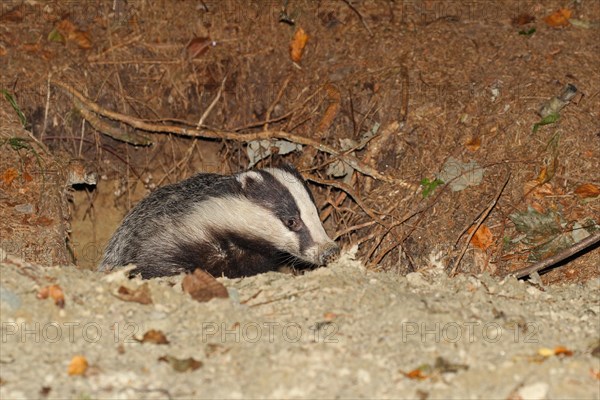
(328, 253)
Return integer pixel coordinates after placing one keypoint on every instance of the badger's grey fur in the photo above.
(236, 225)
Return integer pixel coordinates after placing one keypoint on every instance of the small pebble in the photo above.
(535, 391)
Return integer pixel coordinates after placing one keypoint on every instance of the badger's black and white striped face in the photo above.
(273, 206)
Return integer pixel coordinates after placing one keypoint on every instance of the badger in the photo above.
(232, 225)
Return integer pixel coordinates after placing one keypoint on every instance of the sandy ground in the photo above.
(335, 332)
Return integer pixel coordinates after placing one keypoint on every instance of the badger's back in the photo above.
(232, 225)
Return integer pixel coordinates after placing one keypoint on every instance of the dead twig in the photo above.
(274, 103)
(212, 104)
(287, 296)
(110, 130)
(382, 236)
(485, 214)
(347, 189)
(362, 20)
(555, 259)
(338, 234)
(227, 135)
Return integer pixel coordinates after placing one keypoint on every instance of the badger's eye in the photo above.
(293, 223)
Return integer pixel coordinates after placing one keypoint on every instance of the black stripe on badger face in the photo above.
(264, 189)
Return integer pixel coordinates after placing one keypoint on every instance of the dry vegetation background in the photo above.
(121, 97)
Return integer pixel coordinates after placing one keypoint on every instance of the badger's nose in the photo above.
(329, 253)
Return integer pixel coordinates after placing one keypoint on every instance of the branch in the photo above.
(226, 135)
(555, 259)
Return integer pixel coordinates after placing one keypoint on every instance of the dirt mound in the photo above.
(340, 331)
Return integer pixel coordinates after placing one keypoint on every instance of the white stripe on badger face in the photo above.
(243, 178)
(308, 213)
(236, 214)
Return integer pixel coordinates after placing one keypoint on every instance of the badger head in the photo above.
(282, 212)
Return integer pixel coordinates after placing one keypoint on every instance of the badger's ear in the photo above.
(248, 179)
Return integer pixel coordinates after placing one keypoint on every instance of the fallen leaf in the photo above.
(215, 349)
(15, 14)
(460, 175)
(483, 238)
(539, 191)
(595, 374)
(545, 352)
(473, 144)
(199, 46)
(56, 36)
(73, 34)
(154, 336)
(260, 149)
(78, 365)
(562, 351)
(334, 98)
(522, 19)
(547, 120)
(444, 366)
(54, 292)
(9, 176)
(330, 316)
(415, 374)
(559, 18)
(139, 295)
(43, 221)
(298, 43)
(544, 232)
(181, 365)
(587, 190)
(542, 176)
(527, 32)
(203, 287)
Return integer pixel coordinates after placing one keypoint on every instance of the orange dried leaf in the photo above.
(72, 34)
(334, 98)
(416, 374)
(43, 221)
(199, 46)
(78, 365)
(330, 316)
(523, 19)
(181, 365)
(54, 292)
(139, 295)
(473, 144)
(558, 18)
(587, 190)
(155, 337)
(562, 351)
(31, 47)
(15, 14)
(536, 190)
(298, 43)
(483, 238)
(9, 175)
(203, 287)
